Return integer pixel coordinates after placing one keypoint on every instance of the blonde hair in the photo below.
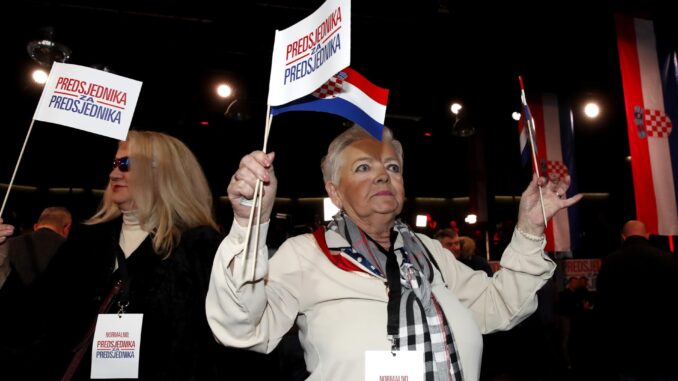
(468, 247)
(169, 190)
(331, 163)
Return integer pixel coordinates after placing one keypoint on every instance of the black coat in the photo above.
(29, 256)
(637, 309)
(30, 253)
(176, 342)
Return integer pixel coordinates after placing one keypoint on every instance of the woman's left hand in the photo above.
(530, 215)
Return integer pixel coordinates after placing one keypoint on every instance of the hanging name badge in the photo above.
(394, 366)
(115, 349)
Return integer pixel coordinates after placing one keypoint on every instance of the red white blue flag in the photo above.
(554, 136)
(524, 134)
(649, 68)
(347, 94)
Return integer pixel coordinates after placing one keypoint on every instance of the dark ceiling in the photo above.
(426, 52)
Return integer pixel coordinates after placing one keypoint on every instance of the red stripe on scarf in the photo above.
(337, 259)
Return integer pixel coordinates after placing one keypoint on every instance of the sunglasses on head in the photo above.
(122, 164)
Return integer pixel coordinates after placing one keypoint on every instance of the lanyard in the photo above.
(394, 292)
(123, 299)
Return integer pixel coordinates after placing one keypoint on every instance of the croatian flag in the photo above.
(649, 68)
(347, 94)
(554, 136)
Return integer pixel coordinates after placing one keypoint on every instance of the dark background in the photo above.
(427, 53)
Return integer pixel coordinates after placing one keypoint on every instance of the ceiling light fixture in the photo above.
(45, 50)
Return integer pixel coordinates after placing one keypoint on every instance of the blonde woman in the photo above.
(156, 225)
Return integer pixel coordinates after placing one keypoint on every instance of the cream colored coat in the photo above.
(342, 314)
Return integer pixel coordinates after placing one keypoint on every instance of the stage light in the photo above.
(40, 76)
(224, 90)
(592, 110)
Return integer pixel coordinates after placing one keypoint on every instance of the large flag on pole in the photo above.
(347, 94)
(554, 135)
(649, 68)
(88, 99)
(310, 52)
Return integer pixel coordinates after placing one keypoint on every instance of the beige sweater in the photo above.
(342, 314)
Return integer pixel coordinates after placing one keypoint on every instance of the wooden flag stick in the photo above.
(269, 120)
(529, 123)
(16, 168)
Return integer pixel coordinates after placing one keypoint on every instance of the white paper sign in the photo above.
(88, 99)
(310, 52)
(115, 349)
(394, 366)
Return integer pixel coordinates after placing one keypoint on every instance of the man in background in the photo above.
(30, 254)
(636, 302)
(450, 240)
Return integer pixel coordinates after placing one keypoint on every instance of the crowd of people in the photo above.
(332, 304)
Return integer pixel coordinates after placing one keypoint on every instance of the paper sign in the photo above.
(310, 52)
(116, 344)
(88, 99)
(394, 366)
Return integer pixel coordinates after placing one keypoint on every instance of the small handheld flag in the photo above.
(347, 94)
(309, 52)
(88, 99)
(305, 55)
(529, 124)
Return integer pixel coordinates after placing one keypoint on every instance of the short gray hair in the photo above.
(331, 163)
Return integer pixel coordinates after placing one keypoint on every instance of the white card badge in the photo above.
(115, 349)
(394, 366)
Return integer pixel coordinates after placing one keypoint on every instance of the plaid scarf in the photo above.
(421, 322)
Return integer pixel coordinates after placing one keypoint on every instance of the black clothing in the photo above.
(29, 256)
(176, 341)
(637, 310)
(30, 253)
(477, 262)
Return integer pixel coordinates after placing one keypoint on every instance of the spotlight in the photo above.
(224, 90)
(592, 110)
(40, 76)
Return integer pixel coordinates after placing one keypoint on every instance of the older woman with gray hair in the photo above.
(368, 282)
